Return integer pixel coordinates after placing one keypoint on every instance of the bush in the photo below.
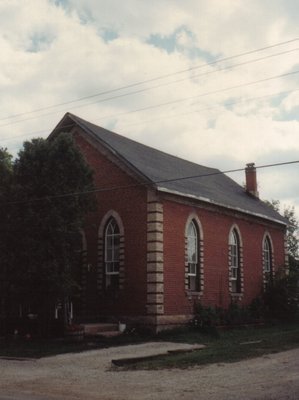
(281, 298)
(279, 302)
(207, 317)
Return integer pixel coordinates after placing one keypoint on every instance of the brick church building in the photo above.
(169, 233)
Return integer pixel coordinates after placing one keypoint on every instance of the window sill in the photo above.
(236, 295)
(193, 294)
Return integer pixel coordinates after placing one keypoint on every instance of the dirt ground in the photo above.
(89, 376)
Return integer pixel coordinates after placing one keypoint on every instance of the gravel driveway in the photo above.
(88, 376)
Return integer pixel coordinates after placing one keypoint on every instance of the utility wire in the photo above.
(202, 94)
(200, 109)
(156, 78)
(122, 187)
(172, 101)
(176, 115)
(225, 104)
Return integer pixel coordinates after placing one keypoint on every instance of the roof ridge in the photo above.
(172, 174)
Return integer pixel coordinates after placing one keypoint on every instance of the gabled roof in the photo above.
(167, 172)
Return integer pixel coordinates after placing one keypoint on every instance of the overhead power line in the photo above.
(168, 83)
(160, 77)
(124, 187)
(176, 115)
(246, 84)
(225, 104)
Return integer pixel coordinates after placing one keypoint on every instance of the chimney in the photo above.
(251, 183)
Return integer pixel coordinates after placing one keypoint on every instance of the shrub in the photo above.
(207, 317)
(281, 298)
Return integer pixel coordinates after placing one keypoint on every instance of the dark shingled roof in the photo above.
(166, 171)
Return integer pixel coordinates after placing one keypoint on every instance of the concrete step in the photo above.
(104, 329)
(109, 333)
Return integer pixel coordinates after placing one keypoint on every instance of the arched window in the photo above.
(235, 265)
(267, 259)
(192, 253)
(112, 245)
(267, 255)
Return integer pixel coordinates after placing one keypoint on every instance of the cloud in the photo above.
(217, 114)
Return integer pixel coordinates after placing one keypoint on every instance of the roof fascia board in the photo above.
(125, 162)
(135, 173)
(206, 200)
(112, 155)
(63, 126)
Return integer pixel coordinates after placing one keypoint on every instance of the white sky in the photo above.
(55, 52)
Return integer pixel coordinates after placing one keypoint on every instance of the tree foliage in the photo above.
(5, 171)
(6, 174)
(281, 298)
(292, 230)
(45, 215)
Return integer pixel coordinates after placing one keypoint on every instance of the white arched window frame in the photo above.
(235, 261)
(111, 252)
(194, 255)
(112, 246)
(268, 259)
(267, 255)
(234, 254)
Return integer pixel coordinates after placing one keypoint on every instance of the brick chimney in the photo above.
(251, 183)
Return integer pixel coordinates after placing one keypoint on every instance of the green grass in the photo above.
(222, 346)
(226, 346)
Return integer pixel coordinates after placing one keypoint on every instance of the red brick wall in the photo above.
(216, 227)
(131, 205)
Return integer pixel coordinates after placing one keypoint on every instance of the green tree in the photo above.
(47, 208)
(281, 297)
(292, 228)
(6, 169)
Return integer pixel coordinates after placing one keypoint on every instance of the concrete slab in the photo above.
(156, 349)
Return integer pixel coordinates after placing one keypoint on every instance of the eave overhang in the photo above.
(215, 203)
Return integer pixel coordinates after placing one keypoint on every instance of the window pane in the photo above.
(116, 253)
(109, 254)
(234, 249)
(192, 254)
(267, 256)
(116, 267)
(112, 267)
(234, 286)
(192, 243)
(108, 267)
(234, 273)
(192, 250)
(112, 246)
(112, 282)
(233, 238)
(109, 240)
(192, 267)
(192, 283)
(267, 261)
(191, 230)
